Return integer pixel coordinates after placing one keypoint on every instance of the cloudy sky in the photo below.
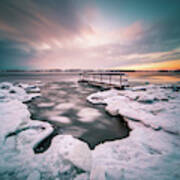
(44, 34)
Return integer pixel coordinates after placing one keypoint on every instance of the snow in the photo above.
(147, 154)
(152, 104)
(74, 150)
(83, 176)
(29, 88)
(35, 175)
(152, 151)
(12, 115)
(63, 158)
(36, 132)
(20, 135)
(8, 92)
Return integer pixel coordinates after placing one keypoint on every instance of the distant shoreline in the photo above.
(84, 70)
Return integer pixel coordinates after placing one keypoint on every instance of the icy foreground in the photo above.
(19, 136)
(153, 149)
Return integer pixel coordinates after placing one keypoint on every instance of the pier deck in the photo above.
(104, 80)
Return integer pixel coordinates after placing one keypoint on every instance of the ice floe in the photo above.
(64, 106)
(12, 115)
(74, 150)
(8, 92)
(19, 135)
(29, 88)
(88, 114)
(45, 105)
(60, 119)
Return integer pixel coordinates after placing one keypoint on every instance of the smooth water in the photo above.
(82, 120)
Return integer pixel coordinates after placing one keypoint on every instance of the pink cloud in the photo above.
(132, 32)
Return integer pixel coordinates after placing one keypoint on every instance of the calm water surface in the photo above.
(87, 122)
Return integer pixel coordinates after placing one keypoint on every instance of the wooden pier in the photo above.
(104, 80)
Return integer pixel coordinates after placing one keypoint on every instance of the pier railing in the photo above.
(104, 79)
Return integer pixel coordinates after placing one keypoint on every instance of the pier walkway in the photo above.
(104, 80)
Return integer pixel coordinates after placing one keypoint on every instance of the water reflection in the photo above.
(154, 77)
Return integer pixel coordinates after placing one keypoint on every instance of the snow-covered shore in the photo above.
(152, 151)
(19, 135)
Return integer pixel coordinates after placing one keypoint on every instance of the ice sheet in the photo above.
(152, 151)
(20, 135)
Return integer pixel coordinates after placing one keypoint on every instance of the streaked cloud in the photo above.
(65, 34)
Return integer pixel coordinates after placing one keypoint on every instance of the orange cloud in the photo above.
(167, 65)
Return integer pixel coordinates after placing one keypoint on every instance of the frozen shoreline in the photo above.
(150, 152)
(19, 136)
(152, 149)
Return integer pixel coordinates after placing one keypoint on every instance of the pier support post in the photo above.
(101, 78)
(109, 79)
(120, 78)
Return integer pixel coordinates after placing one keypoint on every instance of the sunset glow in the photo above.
(89, 34)
(167, 65)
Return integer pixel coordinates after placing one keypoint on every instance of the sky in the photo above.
(90, 34)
